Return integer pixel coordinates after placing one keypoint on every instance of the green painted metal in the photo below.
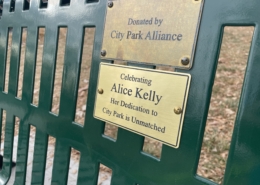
(124, 156)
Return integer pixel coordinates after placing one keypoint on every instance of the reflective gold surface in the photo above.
(143, 101)
(151, 31)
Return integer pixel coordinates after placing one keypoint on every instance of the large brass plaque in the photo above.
(151, 31)
(148, 102)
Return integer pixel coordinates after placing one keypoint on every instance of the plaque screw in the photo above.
(110, 4)
(177, 110)
(185, 61)
(100, 91)
(103, 53)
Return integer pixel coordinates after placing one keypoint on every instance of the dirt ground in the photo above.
(224, 101)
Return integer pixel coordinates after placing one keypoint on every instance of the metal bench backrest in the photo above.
(125, 157)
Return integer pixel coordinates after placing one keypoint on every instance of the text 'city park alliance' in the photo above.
(150, 35)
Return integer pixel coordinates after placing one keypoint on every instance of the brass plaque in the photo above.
(151, 31)
(148, 102)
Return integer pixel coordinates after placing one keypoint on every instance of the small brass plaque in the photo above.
(148, 102)
(150, 31)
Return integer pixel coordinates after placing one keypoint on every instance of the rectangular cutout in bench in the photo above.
(92, 1)
(21, 63)
(85, 66)
(73, 167)
(111, 131)
(3, 123)
(62, 38)
(8, 58)
(152, 147)
(64, 2)
(224, 102)
(49, 160)
(12, 6)
(43, 4)
(30, 154)
(38, 65)
(104, 175)
(26, 4)
(16, 139)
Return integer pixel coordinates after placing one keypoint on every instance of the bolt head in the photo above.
(185, 61)
(100, 91)
(177, 110)
(110, 4)
(103, 53)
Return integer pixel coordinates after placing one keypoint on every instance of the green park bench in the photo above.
(185, 34)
